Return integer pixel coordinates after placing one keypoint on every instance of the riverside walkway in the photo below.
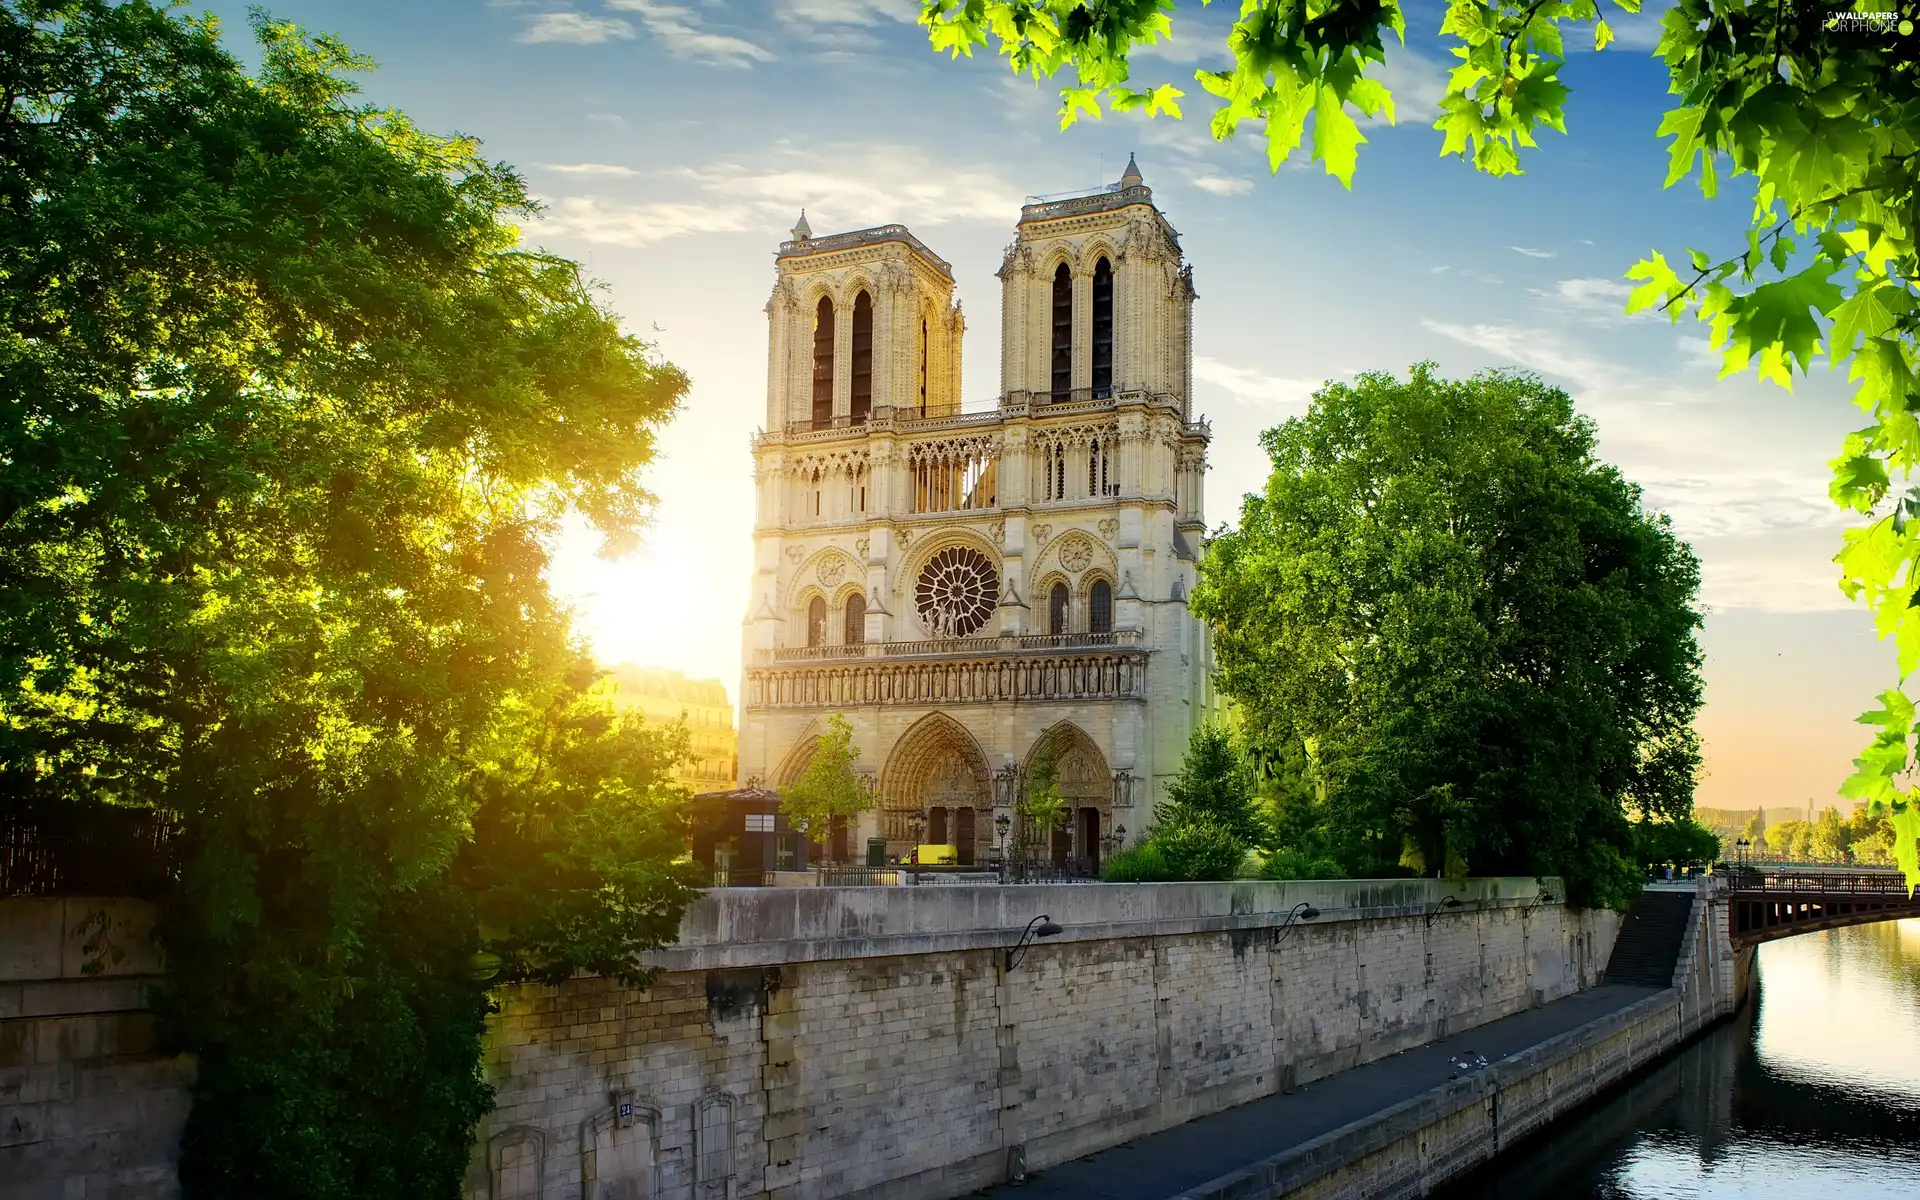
(1193, 1158)
(1393, 1125)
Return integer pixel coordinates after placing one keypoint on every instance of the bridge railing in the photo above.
(1878, 883)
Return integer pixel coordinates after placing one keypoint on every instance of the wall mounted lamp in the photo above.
(1437, 909)
(1544, 897)
(1040, 927)
(1302, 911)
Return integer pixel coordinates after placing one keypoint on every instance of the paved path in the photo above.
(1162, 1165)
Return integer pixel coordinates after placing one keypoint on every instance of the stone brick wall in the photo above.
(88, 1107)
(871, 1043)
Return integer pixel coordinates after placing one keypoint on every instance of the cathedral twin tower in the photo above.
(972, 590)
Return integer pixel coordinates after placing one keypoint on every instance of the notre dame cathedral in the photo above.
(963, 586)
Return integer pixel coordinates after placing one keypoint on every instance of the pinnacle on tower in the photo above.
(801, 230)
(1132, 178)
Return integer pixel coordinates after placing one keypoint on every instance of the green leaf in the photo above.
(1077, 101)
(1602, 35)
(1336, 137)
(1661, 284)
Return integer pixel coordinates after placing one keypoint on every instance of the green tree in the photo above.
(829, 787)
(1791, 840)
(1828, 841)
(1486, 639)
(1681, 842)
(1214, 783)
(1819, 103)
(1041, 808)
(289, 413)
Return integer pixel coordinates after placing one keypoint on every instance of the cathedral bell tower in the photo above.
(982, 594)
(860, 321)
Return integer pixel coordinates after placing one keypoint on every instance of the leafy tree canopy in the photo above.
(829, 786)
(1819, 103)
(288, 412)
(1485, 639)
(1214, 783)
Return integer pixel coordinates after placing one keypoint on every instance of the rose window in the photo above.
(957, 592)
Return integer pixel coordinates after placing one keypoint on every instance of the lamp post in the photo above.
(1001, 824)
(1040, 927)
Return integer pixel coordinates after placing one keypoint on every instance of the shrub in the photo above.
(1198, 849)
(1142, 864)
(1289, 863)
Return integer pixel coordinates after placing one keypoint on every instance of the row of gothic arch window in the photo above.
(1061, 381)
(853, 618)
(1059, 614)
(861, 402)
(1099, 608)
(1062, 362)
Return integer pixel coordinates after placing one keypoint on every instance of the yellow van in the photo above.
(935, 856)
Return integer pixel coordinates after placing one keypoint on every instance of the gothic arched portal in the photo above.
(1086, 785)
(936, 769)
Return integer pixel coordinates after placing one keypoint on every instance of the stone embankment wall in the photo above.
(870, 1042)
(1412, 1148)
(87, 1107)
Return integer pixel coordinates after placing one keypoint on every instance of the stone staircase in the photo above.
(1648, 948)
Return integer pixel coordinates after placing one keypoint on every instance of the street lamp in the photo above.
(1543, 898)
(1302, 911)
(1435, 911)
(1040, 927)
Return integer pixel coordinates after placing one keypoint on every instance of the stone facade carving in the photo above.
(985, 631)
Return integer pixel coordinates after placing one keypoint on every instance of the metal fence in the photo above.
(740, 877)
(1876, 883)
(73, 849)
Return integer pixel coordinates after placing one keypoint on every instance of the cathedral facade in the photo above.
(964, 587)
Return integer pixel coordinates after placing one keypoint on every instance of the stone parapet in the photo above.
(737, 927)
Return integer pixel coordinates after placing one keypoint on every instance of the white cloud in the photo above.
(846, 12)
(1253, 387)
(873, 185)
(682, 31)
(590, 168)
(1190, 44)
(574, 28)
(1537, 349)
(592, 219)
(1530, 252)
(1417, 84)
(1603, 300)
(1222, 185)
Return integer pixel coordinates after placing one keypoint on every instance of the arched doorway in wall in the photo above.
(936, 769)
(1086, 785)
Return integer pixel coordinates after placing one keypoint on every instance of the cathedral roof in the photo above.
(1132, 189)
(801, 247)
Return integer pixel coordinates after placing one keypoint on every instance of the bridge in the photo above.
(1770, 904)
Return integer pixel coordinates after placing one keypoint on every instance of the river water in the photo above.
(1812, 1092)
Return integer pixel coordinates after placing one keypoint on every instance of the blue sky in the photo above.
(674, 144)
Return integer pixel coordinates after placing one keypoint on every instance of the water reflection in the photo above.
(1814, 1091)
